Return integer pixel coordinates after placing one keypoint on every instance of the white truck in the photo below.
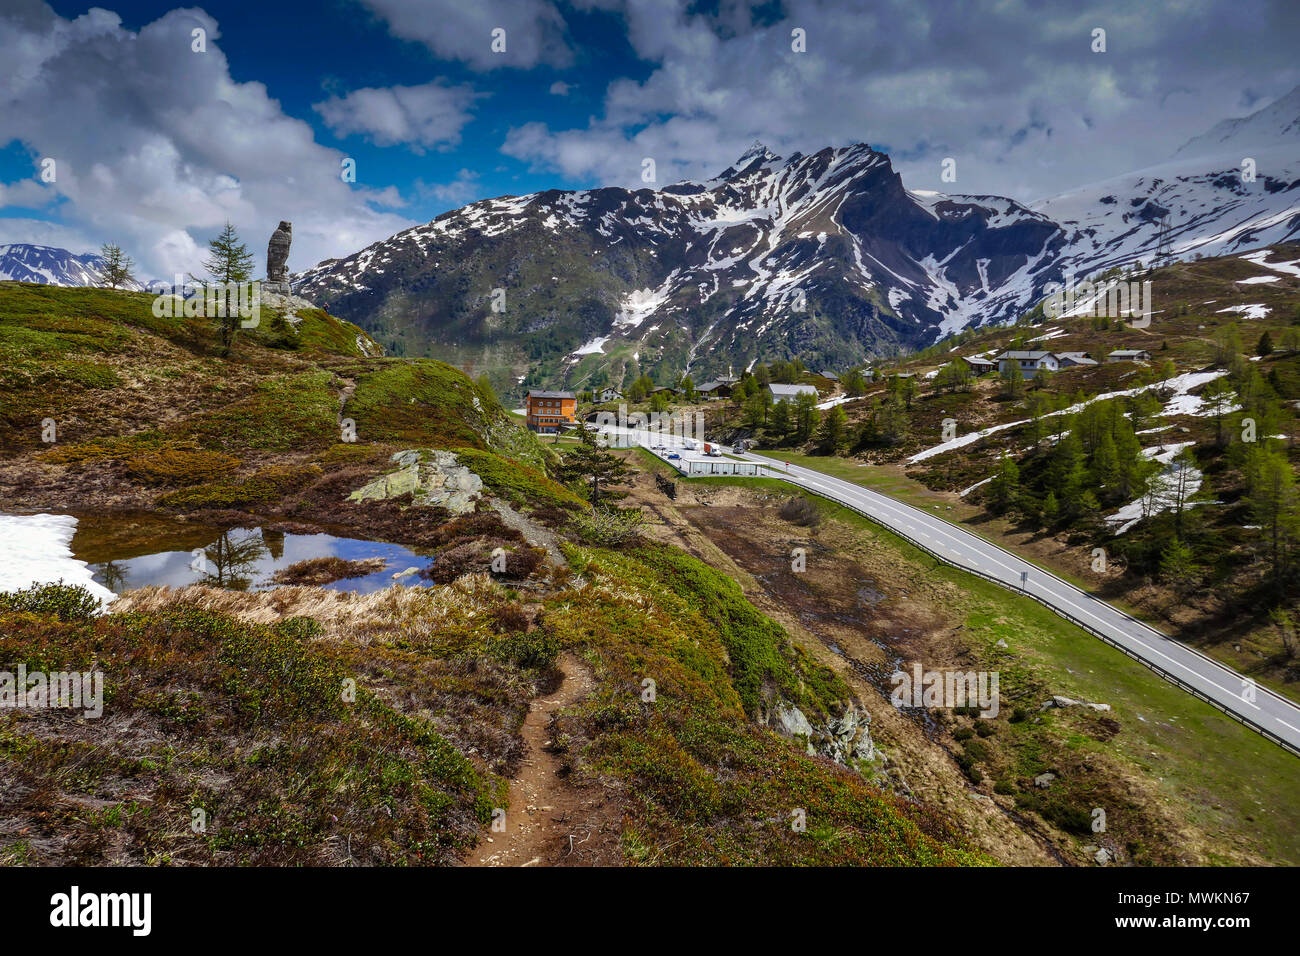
(713, 451)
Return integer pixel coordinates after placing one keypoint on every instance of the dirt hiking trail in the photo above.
(551, 822)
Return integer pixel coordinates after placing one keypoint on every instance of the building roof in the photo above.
(831, 375)
(977, 360)
(1036, 356)
(778, 389)
(713, 385)
(1130, 352)
(538, 393)
(1078, 358)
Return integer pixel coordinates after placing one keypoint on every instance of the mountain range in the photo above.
(827, 257)
(26, 262)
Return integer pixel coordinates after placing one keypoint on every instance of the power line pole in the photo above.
(1164, 244)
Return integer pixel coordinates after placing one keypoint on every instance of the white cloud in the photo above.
(431, 115)
(1012, 91)
(157, 146)
(560, 88)
(41, 233)
(463, 30)
(26, 193)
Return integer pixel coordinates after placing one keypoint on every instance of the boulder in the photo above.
(432, 478)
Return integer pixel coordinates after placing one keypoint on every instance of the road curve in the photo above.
(1272, 715)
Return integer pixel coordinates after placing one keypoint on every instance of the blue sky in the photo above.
(156, 145)
(340, 46)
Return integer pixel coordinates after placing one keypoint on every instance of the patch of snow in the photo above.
(1162, 496)
(831, 403)
(1180, 385)
(1260, 258)
(1256, 311)
(35, 549)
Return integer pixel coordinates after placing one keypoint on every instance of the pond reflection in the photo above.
(177, 554)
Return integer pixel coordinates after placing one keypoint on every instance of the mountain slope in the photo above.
(696, 276)
(701, 277)
(25, 262)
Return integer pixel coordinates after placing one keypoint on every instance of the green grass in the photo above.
(707, 785)
(420, 403)
(518, 483)
(251, 724)
(281, 413)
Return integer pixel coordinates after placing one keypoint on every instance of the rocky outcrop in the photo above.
(845, 738)
(431, 478)
(1063, 702)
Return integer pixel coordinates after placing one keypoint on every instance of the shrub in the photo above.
(319, 571)
(509, 617)
(299, 628)
(802, 512)
(275, 673)
(180, 466)
(474, 556)
(537, 650)
(64, 601)
(608, 527)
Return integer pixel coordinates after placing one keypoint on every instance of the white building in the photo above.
(788, 393)
(1029, 362)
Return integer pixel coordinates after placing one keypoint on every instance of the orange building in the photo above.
(550, 411)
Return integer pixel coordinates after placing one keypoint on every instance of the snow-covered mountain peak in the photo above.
(1275, 125)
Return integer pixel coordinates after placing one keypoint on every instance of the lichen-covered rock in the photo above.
(431, 478)
(845, 738)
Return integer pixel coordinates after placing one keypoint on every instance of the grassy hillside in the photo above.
(145, 412)
(1079, 460)
(239, 704)
(1179, 781)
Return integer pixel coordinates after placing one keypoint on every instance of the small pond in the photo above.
(126, 552)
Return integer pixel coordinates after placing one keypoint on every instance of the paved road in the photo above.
(1273, 715)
